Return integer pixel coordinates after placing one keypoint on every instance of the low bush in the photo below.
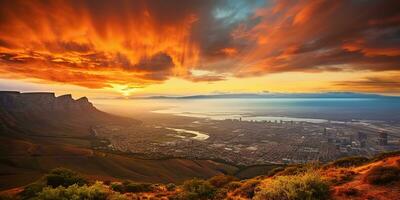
(382, 175)
(307, 186)
(56, 177)
(197, 189)
(221, 180)
(118, 196)
(138, 187)
(220, 194)
(247, 189)
(348, 162)
(6, 197)
(64, 177)
(184, 196)
(107, 182)
(232, 185)
(118, 187)
(133, 187)
(348, 191)
(96, 191)
(31, 190)
(170, 187)
(341, 176)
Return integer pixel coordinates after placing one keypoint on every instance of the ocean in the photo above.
(263, 109)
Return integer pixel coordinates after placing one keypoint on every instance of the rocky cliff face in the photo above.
(45, 114)
(43, 102)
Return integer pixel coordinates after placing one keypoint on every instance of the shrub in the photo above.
(118, 196)
(197, 189)
(340, 176)
(349, 162)
(247, 189)
(94, 192)
(133, 187)
(6, 197)
(31, 190)
(64, 177)
(184, 196)
(170, 187)
(138, 187)
(118, 187)
(221, 180)
(157, 188)
(220, 194)
(306, 186)
(233, 185)
(382, 175)
(348, 191)
(107, 182)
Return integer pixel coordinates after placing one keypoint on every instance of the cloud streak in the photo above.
(382, 84)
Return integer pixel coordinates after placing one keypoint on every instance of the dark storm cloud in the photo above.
(157, 62)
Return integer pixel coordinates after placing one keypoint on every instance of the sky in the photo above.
(100, 48)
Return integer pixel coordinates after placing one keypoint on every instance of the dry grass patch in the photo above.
(382, 175)
(307, 186)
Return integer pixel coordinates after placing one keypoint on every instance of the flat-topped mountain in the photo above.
(46, 114)
(44, 101)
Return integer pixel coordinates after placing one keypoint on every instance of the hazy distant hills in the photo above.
(274, 95)
(46, 114)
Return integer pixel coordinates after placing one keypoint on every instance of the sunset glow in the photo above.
(159, 47)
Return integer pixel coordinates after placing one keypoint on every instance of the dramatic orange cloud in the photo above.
(129, 44)
(93, 43)
(323, 35)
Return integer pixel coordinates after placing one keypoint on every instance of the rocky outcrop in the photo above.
(44, 101)
(43, 113)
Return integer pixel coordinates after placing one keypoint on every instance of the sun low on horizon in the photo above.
(156, 47)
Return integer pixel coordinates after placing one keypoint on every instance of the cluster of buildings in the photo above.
(251, 142)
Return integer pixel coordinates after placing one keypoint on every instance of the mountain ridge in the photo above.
(43, 113)
(11, 100)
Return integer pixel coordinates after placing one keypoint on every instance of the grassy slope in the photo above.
(366, 190)
(22, 161)
(344, 182)
(256, 170)
(349, 182)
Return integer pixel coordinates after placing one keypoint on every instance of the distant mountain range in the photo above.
(272, 95)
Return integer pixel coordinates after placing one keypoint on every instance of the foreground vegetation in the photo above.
(337, 180)
(305, 186)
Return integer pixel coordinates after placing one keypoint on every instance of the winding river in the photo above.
(199, 136)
